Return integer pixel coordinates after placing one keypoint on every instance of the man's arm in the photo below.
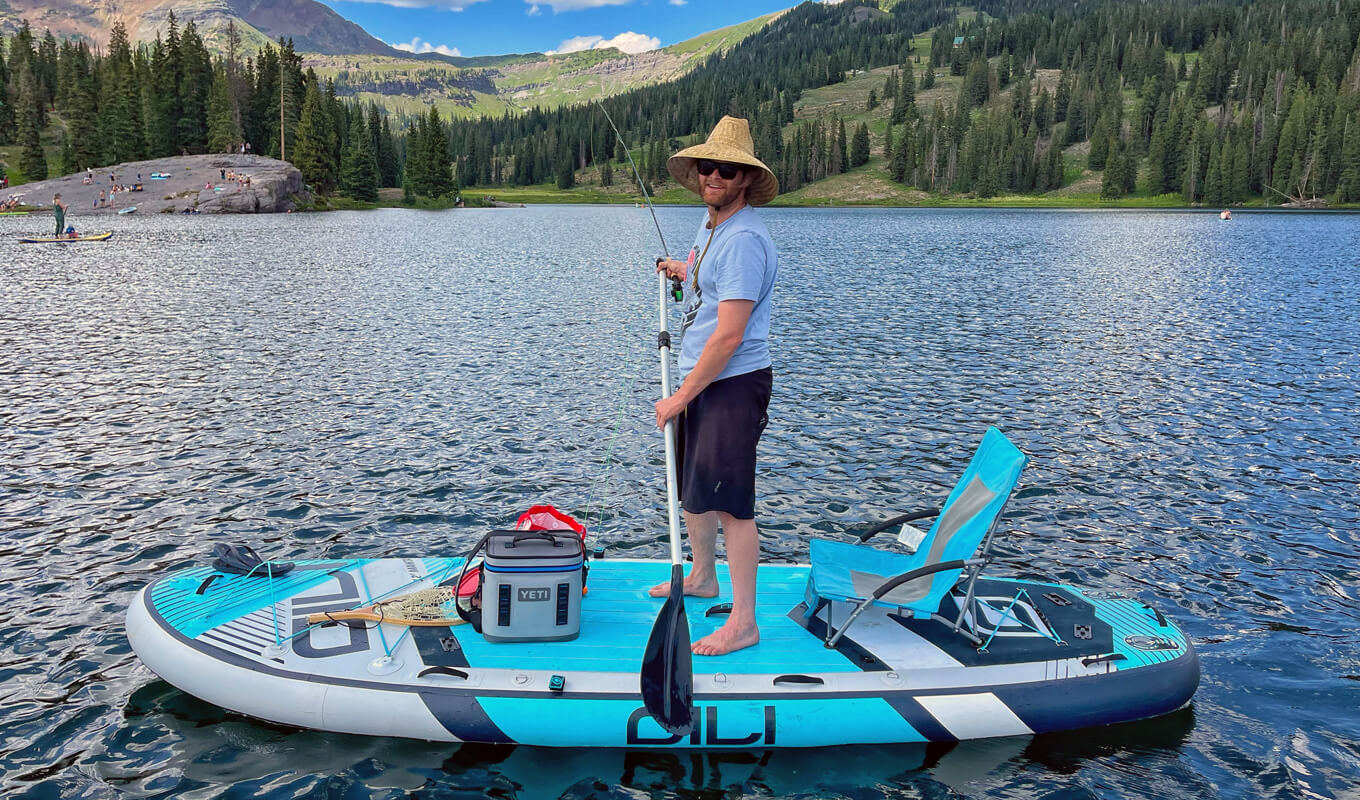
(726, 337)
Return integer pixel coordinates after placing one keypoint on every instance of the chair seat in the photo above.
(844, 571)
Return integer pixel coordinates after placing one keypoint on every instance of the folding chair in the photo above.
(916, 584)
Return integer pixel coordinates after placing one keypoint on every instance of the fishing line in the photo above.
(638, 175)
(627, 387)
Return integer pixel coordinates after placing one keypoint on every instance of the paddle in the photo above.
(667, 674)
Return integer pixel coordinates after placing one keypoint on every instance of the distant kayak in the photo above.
(128, 210)
(13, 213)
(89, 237)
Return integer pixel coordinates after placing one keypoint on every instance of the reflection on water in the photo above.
(395, 382)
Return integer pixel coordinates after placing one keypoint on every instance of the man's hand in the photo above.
(668, 408)
(672, 268)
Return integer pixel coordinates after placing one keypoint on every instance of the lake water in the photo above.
(397, 382)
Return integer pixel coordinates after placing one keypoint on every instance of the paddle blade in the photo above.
(667, 673)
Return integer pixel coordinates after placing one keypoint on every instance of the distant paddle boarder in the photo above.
(59, 211)
(720, 406)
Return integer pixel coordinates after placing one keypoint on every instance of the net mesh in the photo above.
(424, 605)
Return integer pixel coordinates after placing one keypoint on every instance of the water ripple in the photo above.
(397, 382)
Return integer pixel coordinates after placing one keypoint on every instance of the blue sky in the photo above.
(493, 27)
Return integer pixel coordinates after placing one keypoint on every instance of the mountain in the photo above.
(313, 26)
(365, 68)
(492, 85)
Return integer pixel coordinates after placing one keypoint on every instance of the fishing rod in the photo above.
(677, 293)
(667, 673)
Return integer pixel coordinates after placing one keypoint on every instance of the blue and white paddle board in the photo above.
(1082, 658)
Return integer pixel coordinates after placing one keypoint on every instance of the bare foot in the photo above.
(726, 639)
(692, 588)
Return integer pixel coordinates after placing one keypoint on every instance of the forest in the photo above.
(1212, 102)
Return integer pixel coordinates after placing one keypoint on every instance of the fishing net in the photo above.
(426, 605)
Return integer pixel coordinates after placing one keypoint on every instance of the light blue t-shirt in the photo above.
(740, 264)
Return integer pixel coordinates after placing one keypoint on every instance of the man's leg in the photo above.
(702, 580)
(743, 556)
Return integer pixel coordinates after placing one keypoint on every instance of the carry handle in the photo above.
(803, 680)
(538, 535)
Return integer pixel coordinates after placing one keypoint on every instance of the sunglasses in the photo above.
(727, 171)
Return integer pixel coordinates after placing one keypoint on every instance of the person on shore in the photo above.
(103, 200)
(59, 212)
(720, 406)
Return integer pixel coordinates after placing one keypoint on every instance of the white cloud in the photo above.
(576, 44)
(558, 6)
(630, 42)
(534, 10)
(418, 46)
(678, 2)
(627, 42)
(447, 5)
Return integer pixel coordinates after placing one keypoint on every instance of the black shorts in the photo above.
(715, 444)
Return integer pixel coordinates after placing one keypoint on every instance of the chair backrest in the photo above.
(968, 515)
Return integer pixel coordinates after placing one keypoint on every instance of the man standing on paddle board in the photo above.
(59, 211)
(720, 406)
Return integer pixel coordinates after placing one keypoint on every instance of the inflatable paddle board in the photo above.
(89, 237)
(1058, 658)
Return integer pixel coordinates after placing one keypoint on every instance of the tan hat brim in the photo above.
(764, 186)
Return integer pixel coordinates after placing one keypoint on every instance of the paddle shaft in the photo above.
(672, 499)
(667, 674)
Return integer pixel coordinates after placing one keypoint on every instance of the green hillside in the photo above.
(490, 86)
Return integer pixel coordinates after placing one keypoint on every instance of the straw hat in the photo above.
(729, 141)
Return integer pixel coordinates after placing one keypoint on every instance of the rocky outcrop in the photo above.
(193, 183)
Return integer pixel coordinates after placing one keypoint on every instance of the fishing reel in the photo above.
(677, 288)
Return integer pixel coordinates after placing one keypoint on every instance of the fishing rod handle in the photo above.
(677, 287)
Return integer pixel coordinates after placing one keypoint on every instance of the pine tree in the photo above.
(224, 131)
(1043, 112)
(606, 173)
(8, 122)
(1240, 180)
(313, 142)
(388, 168)
(1055, 164)
(1112, 182)
(564, 166)
(195, 82)
(1130, 170)
(873, 99)
(120, 112)
(436, 145)
(1213, 178)
(1100, 144)
(1348, 191)
(31, 158)
(859, 146)
(836, 162)
(928, 78)
(359, 166)
(902, 157)
(1192, 186)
